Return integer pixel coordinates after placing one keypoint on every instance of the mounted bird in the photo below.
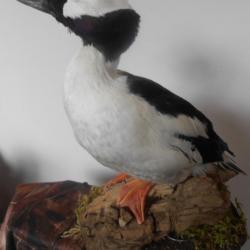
(129, 123)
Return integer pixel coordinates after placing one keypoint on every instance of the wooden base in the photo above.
(70, 215)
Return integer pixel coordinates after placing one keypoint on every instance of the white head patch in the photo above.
(78, 8)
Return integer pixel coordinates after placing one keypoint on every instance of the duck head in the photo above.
(109, 25)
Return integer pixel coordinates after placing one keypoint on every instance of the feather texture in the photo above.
(160, 137)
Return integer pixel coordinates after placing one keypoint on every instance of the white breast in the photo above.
(100, 109)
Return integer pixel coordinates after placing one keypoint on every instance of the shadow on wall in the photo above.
(210, 74)
(8, 182)
(10, 178)
(235, 130)
(205, 68)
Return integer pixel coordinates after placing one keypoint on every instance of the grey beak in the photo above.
(41, 5)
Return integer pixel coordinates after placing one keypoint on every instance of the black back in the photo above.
(166, 102)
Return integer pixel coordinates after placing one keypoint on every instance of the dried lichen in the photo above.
(226, 234)
(77, 231)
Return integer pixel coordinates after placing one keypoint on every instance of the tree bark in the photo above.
(197, 201)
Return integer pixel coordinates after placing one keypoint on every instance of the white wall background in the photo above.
(198, 49)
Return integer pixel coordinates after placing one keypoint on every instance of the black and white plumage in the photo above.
(126, 122)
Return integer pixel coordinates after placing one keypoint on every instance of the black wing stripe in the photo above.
(231, 166)
(209, 149)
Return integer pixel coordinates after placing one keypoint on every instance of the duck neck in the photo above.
(93, 62)
(90, 71)
(111, 34)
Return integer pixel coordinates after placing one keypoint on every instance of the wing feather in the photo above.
(188, 118)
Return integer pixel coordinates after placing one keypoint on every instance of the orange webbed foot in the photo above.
(133, 196)
(118, 179)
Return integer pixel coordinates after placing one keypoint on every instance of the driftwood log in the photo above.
(71, 215)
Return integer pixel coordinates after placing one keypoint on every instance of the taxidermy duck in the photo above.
(126, 122)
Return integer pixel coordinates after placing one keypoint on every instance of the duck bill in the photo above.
(41, 5)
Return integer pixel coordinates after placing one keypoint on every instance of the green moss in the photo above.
(227, 233)
(77, 231)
